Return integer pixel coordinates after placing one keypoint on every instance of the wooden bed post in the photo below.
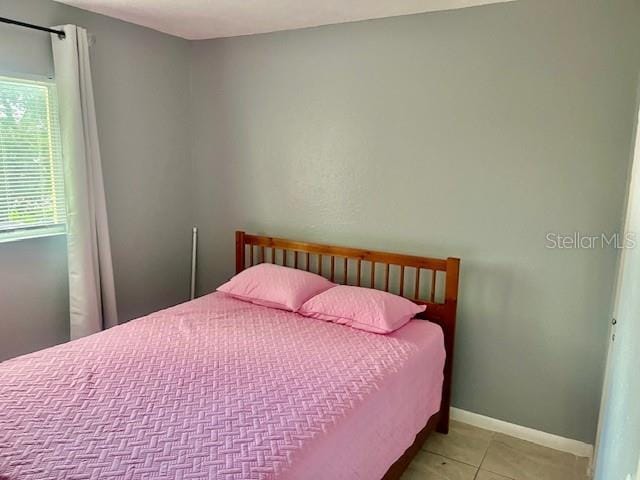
(449, 328)
(239, 251)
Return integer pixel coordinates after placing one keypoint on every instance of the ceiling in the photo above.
(201, 19)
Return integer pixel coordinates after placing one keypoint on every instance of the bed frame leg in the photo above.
(443, 422)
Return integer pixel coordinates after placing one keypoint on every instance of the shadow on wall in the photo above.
(631, 476)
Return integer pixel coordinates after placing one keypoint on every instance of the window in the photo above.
(31, 181)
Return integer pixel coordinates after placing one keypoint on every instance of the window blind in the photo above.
(31, 177)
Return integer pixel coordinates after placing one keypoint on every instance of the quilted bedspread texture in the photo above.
(219, 388)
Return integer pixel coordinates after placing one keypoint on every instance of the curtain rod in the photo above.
(60, 33)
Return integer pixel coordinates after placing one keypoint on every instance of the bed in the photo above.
(221, 388)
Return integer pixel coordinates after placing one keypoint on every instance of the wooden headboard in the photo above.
(427, 281)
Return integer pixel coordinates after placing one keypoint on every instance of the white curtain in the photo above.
(91, 291)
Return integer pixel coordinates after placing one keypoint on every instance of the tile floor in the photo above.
(470, 453)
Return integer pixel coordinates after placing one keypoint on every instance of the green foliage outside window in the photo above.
(31, 180)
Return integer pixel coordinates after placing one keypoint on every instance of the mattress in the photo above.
(220, 388)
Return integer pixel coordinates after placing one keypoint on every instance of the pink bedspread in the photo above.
(219, 388)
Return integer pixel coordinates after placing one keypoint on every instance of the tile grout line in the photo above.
(424, 448)
(452, 460)
(475, 477)
(493, 434)
(449, 458)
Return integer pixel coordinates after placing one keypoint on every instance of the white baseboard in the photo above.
(556, 442)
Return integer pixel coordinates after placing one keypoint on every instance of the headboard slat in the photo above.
(373, 275)
(333, 267)
(432, 294)
(345, 271)
(386, 277)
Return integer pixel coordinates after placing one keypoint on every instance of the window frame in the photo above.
(39, 231)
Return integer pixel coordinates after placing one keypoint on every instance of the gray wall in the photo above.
(34, 306)
(470, 133)
(141, 81)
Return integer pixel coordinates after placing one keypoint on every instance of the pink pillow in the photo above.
(363, 308)
(275, 286)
